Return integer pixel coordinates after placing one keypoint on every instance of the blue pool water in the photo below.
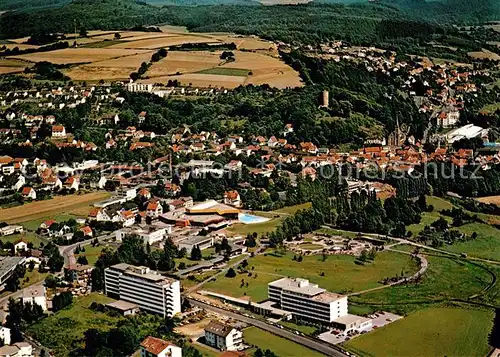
(251, 219)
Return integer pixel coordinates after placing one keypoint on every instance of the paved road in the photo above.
(319, 346)
(67, 251)
(415, 244)
(424, 264)
(223, 271)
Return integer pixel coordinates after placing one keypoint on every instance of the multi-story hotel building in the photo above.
(307, 301)
(148, 289)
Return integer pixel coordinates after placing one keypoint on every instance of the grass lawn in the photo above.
(294, 209)
(278, 345)
(342, 275)
(205, 351)
(34, 224)
(445, 279)
(305, 329)
(64, 330)
(486, 245)
(32, 277)
(222, 71)
(336, 232)
(429, 217)
(429, 332)
(92, 253)
(27, 236)
(187, 283)
(310, 246)
(265, 227)
(259, 228)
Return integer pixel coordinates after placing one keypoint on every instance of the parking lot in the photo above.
(378, 320)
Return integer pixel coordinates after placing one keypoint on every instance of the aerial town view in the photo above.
(259, 178)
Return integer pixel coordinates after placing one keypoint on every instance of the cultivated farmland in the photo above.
(59, 204)
(103, 56)
(77, 55)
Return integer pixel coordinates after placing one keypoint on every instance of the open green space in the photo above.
(280, 346)
(491, 108)
(27, 236)
(222, 71)
(310, 246)
(305, 329)
(265, 227)
(486, 245)
(429, 217)
(63, 331)
(33, 225)
(341, 273)
(32, 277)
(91, 253)
(259, 228)
(429, 332)
(446, 278)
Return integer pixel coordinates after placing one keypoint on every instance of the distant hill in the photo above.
(6, 5)
(449, 11)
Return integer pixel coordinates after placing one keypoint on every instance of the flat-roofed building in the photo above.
(307, 301)
(123, 307)
(149, 289)
(7, 267)
(202, 242)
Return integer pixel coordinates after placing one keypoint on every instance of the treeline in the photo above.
(133, 251)
(203, 47)
(17, 51)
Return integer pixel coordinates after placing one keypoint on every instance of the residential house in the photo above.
(154, 209)
(72, 183)
(156, 347)
(58, 131)
(127, 218)
(21, 246)
(21, 181)
(35, 294)
(223, 337)
(232, 198)
(99, 215)
(29, 192)
(87, 231)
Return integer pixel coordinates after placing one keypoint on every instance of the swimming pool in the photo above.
(251, 219)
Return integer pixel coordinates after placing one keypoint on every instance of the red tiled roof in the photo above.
(155, 345)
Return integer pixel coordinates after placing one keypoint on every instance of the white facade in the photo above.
(151, 291)
(35, 295)
(5, 335)
(306, 300)
(155, 347)
(223, 337)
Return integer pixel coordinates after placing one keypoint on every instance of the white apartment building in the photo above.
(223, 337)
(35, 295)
(307, 301)
(5, 335)
(150, 290)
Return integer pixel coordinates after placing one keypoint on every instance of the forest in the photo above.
(360, 23)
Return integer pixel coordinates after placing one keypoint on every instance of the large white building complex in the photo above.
(306, 300)
(148, 289)
(309, 302)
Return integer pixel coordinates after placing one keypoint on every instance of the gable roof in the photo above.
(155, 345)
(218, 328)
